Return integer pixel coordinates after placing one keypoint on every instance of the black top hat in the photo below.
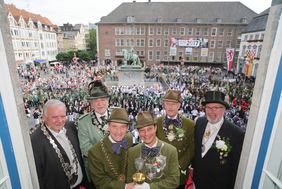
(96, 89)
(215, 97)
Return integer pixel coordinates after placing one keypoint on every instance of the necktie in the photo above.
(118, 145)
(169, 121)
(103, 118)
(146, 151)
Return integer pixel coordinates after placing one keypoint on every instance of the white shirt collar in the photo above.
(54, 133)
(154, 145)
(217, 125)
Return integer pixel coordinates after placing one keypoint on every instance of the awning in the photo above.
(40, 61)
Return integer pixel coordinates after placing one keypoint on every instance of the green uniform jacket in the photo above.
(170, 180)
(88, 135)
(101, 173)
(185, 147)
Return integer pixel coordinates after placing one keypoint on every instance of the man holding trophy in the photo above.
(152, 164)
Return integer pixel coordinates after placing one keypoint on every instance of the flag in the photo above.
(249, 61)
(229, 58)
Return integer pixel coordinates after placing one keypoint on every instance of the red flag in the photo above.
(229, 58)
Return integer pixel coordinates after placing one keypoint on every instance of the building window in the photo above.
(230, 32)
(166, 43)
(257, 36)
(174, 31)
(198, 32)
(213, 31)
(142, 41)
(158, 55)
(158, 42)
(151, 43)
(262, 36)
(166, 31)
(151, 31)
(190, 31)
(228, 44)
(206, 31)
(212, 44)
(218, 57)
(245, 37)
(182, 31)
(165, 57)
(140, 31)
(159, 31)
(221, 32)
(195, 57)
(220, 44)
(150, 55)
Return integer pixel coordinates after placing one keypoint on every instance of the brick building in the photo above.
(201, 31)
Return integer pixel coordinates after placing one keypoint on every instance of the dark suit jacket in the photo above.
(49, 170)
(209, 173)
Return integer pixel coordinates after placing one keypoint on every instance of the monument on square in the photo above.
(131, 72)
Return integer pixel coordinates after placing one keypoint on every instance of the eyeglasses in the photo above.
(214, 108)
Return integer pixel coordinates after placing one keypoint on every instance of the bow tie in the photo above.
(146, 151)
(169, 121)
(117, 146)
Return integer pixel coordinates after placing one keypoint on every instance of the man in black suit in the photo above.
(218, 145)
(56, 150)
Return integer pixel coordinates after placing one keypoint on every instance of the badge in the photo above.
(170, 127)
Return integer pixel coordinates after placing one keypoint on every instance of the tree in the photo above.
(93, 42)
(83, 55)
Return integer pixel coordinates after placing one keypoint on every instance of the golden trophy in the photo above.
(139, 177)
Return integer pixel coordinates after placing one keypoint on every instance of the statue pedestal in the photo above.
(131, 75)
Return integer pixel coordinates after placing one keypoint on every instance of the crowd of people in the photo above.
(70, 86)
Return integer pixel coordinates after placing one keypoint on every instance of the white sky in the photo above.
(90, 11)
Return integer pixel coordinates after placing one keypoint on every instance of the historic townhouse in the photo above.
(172, 32)
(73, 36)
(33, 36)
(251, 44)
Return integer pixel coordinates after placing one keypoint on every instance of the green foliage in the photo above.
(93, 42)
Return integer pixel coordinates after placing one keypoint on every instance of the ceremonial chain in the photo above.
(66, 166)
(100, 126)
(121, 177)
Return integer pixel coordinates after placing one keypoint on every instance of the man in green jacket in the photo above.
(108, 158)
(92, 127)
(156, 160)
(178, 131)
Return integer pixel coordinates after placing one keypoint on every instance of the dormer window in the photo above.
(198, 20)
(130, 19)
(159, 19)
(178, 20)
(218, 20)
(243, 20)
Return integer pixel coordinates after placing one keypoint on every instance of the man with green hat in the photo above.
(155, 159)
(92, 127)
(178, 131)
(218, 145)
(108, 158)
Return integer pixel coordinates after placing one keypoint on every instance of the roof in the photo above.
(258, 23)
(187, 12)
(27, 15)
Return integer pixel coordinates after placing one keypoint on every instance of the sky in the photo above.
(91, 11)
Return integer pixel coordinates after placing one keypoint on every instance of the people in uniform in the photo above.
(108, 158)
(178, 131)
(154, 158)
(56, 150)
(218, 145)
(92, 127)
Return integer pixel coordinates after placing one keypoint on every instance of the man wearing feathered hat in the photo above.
(92, 127)
(108, 158)
(155, 159)
(178, 131)
(218, 145)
